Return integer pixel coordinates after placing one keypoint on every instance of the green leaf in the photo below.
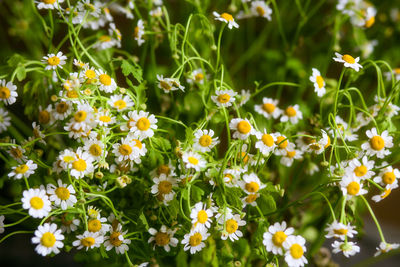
(21, 73)
(15, 60)
(135, 70)
(196, 193)
(143, 219)
(161, 143)
(103, 252)
(266, 203)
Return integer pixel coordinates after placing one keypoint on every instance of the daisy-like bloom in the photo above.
(169, 84)
(251, 183)
(82, 165)
(291, 154)
(138, 32)
(231, 223)
(62, 110)
(231, 177)
(4, 120)
(385, 247)
(138, 146)
(292, 114)
(250, 200)
(37, 134)
(260, 8)
(242, 128)
(384, 194)
(295, 248)
(93, 212)
(120, 102)
(142, 124)
(352, 186)
(157, 12)
(8, 92)
(69, 223)
(167, 169)
(244, 97)
(66, 157)
(319, 83)
(320, 146)
(48, 238)
(83, 117)
(104, 117)
(339, 230)
(361, 169)
(80, 64)
(88, 75)
(269, 108)
(197, 76)
(125, 150)
(23, 170)
(62, 195)
(2, 224)
(343, 130)
(98, 224)
(54, 61)
(348, 248)
(276, 235)
(224, 98)
(106, 83)
(48, 4)
(193, 241)
(377, 144)
(163, 238)
(45, 115)
(388, 177)
(72, 82)
(116, 240)
(395, 72)
(227, 18)
(163, 188)
(204, 140)
(201, 217)
(349, 61)
(95, 148)
(37, 202)
(281, 144)
(17, 152)
(193, 161)
(88, 240)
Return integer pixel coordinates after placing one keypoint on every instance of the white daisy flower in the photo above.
(339, 230)
(291, 154)
(69, 223)
(295, 248)
(319, 83)
(116, 240)
(260, 8)
(193, 241)
(24, 170)
(4, 120)
(251, 183)
(125, 150)
(388, 177)
(48, 4)
(88, 75)
(54, 61)
(292, 114)
(269, 108)
(142, 124)
(62, 110)
(139, 148)
(139, 32)
(281, 144)
(45, 116)
(88, 240)
(83, 164)
(106, 83)
(169, 84)
(163, 188)
(227, 18)
(197, 76)
(104, 117)
(250, 200)
(37, 202)
(231, 223)
(83, 117)
(95, 148)
(352, 186)
(349, 61)
(48, 238)
(62, 195)
(93, 212)
(242, 128)
(120, 102)
(163, 238)
(98, 224)
(244, 97)
(276, 235)
(80, 64)
(66, 157)
(167, 169)
(204, 140)
(343, 130)
(385, 247)
(201, 217)
(8, 92)
(224, 98)
(384, 194)
(348, 248)
(157, 12)
(320, 146)
(231, 177)
(193, 160)
(362, 169)
(377, 144)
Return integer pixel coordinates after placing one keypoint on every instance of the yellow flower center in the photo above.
(353, 188)
(320, 81)
(252, 187)
(37, 203)
(341, 231)
(44, 117)
(4, 92)
(90, 74)
(278, 238)
(114, 239)
(165, 85)
(195, 240)
(388, 177)
(80, 116)
(205, 140)
(202, 216)
(296, 251)
(244, 157)
(229, 176)
(164, 187)
(268, 140)
(386, 193)
(138, 144)
(244, 127)
(62, 107)
(16, 152)
(193, 160)
(377, 142)
(360, 171)
(22, 168)
(227, 17)
(105, 79)
(268, 107)
(48, 240)
(281, 144)
(291, 112)
(328, 143)
(260, 10)
(370, 22)
(125, 150)
(79, 165)
(95, 150)
(143, 124)
(224, 98)
(199, 77)
(88, 241)
(49, 2)
(231, 226)
(94, 225)
(251, 198)
(53, 61)
(315, 146)
(72, 94)
(120, 104)
(68, 159)
(105, 38)
(290, 154)
(396, 70)
(349, 59)
(163, 169)
(62, 193)
(162, 239)
(136, 32)
(105, 118)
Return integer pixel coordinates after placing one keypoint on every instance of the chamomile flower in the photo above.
(37, 202)
(125, 150)
(116, 240)
(8, 92)
(156, 13)
(352, 186)
(163, 188)
(167, 169)
(169, 84)
(106, 83)
(69, 223)
(193, 160)
(163, 238)
(348, 248)
(319, 82)
(66, 157)
(24, 170)
(275, 236)
(17, 152)
(83, 164)
(88, 240)
(62, 195)
(295, 249)
(384, 194)
(48, 238)
(377, 144)
(204, 140)
(120, 102)
(291, 154)
(281, 144)
(242, 128)
(388, 177)
(88, 75)
(139, 148)
(292, 114)
(269, 108)
(138, 32)
(48, 4)
(260, 8)
(197, 76)
(224, 98)
(339, 230)
(227, 18)
(83, 118)
(93, 212)
(349, 61)
(95, 148)
(361, 169)
(4, 120)
(142, 124)
(231, 177)
(385, 247)
(79, 64)
(251, 183)
(104, 117)
(250, 200)
(54, 61)
(45, 116)
(231, 223)
(244, 97)
(62, 110)
(343, 130)
(193, 241)
(201, 216)
(98, 224)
